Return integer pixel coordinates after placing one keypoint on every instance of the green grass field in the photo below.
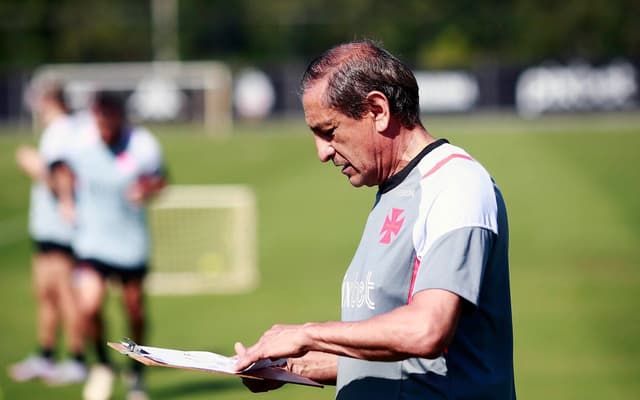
(571, 184)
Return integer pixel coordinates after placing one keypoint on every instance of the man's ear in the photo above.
(379, 110)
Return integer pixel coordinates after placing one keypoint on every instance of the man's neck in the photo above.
(417, 145)
(411, 144)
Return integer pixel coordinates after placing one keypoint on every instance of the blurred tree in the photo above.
(211, 29)
(426, 33)
(587, 29)
(38, 31)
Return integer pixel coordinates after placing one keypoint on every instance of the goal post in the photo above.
(203, 240)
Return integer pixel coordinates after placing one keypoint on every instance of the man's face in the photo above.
(109, 124)
(349, 143)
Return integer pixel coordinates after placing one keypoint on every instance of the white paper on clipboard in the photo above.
(209, 362)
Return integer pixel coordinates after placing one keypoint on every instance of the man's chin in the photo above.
(357, 181)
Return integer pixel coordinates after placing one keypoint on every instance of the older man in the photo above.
(426, 309)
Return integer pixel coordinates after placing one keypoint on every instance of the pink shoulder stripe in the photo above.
(445, 160)
(414, 276)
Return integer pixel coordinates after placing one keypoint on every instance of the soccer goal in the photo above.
(203, 240)
(154, 91)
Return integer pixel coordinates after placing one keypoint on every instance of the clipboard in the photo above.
(209, 362)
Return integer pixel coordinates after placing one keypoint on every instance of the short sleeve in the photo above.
(456, 230)
(149, 154)
(54, 142)
(466, 198)
(456, 262)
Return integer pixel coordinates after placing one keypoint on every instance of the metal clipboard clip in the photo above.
(130, 347)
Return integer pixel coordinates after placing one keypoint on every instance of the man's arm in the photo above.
(422, 328)
(62, 183)
(31, 163)
(321, 367)
(152, 173)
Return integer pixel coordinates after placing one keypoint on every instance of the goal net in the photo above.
(203, 240)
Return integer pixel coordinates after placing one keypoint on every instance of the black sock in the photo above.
(101, 354)
(46, 352)
(137, 368)
(79, 357)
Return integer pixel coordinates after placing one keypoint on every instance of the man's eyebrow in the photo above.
(321, 126)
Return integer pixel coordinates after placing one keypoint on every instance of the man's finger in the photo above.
(241, 364)
(244, 358)
(239, 349)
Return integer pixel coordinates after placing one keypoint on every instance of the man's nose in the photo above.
(325, 149)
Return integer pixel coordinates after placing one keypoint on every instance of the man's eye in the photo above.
(328, 133)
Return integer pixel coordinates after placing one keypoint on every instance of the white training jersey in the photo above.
(110, 228)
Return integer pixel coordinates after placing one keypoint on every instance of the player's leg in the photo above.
(73, 369)
(91, 291)
(133, 298)
(91, 286)
(69, 307)
(40, 365)
(45, 291)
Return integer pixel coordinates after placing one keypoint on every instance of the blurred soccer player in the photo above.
(115, 174)
(53, 260)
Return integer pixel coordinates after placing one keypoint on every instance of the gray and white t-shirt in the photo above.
(438, 224)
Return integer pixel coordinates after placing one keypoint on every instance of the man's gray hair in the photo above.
(353, 70)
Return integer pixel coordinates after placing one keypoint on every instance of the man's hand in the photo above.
(256, 385)
(280, 341)
(321, 367)
(135, 194)
(144, 188)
